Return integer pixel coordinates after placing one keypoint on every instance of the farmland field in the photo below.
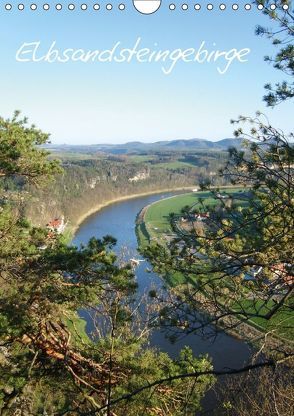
(156, 220)
(177, 164)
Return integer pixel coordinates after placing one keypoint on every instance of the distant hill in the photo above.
(203, 144)
(138, 147)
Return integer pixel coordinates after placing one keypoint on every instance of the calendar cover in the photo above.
(146, 207)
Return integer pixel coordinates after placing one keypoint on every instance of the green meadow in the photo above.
(157, 225)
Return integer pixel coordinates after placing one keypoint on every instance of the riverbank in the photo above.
(157, 227)
(72, 228)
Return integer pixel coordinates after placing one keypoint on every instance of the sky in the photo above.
(110, 102)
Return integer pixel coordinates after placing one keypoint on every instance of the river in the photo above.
(118, 220)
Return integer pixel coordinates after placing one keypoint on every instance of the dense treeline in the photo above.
(85, 184)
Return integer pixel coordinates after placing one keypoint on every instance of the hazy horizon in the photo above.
(135, 141)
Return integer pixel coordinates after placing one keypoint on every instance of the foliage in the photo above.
(281, 36)
(20, 153)
(264, 393)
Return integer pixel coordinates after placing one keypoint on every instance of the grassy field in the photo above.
(74, 156)
(156, 221)
(281, 323)
(171, 165)
(177, 164)
(157, 215)
(140, 158)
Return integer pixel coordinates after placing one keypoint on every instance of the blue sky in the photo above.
(98, 102)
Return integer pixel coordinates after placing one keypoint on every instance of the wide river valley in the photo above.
(119, 220)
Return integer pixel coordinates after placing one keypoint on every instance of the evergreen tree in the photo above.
(281, 37)
(49, 365)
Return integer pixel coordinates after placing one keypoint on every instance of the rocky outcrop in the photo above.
(140, 176)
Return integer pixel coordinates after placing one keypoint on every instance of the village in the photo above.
(197, 222)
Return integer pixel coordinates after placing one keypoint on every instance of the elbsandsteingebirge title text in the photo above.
(167, 59)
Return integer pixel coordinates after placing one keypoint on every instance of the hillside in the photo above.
(91, 181)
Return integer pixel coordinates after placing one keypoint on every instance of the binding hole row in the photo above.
(122, 6)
